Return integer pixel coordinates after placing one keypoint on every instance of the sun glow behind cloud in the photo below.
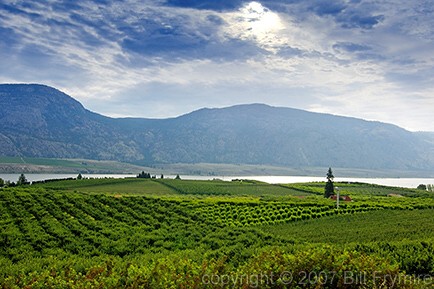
(254, 22)
(262, 20)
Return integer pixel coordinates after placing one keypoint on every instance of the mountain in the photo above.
(40, 121)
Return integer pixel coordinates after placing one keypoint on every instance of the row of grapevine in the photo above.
(239, 214)
(235, 188)
(39, 222)
(309, 267)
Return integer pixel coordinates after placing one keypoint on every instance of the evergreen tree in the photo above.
(144, 175)
(79, 177)
(9, 184)
(422, 187)
(2, 182)
(22, 180)
(329, 187)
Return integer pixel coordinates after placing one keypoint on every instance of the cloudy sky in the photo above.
(372, 59)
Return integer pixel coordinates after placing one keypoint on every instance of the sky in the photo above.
(370, 59)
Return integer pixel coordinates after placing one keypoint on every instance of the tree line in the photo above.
(429, 187)
(144, 175)
(22, 180)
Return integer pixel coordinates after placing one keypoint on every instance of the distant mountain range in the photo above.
(40, 121)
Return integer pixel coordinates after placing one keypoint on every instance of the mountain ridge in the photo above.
(40, 121)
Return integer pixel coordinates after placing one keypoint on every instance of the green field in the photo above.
(161, 233)
(128, 186)
(394, 225)
(50, 165)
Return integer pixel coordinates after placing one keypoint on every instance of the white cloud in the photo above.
(284, 59)
(254, 22)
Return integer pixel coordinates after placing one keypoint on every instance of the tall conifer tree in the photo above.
(329, 187)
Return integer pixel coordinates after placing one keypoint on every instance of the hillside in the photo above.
(40, 121)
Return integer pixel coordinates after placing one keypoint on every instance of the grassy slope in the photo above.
(158, 187)
(127, 186)
(46, 165)
(378, 226)
(238, 188)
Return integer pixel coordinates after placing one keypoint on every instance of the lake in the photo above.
(397, 182)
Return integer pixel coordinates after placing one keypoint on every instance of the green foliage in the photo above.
(160, 233)
(35, 221)
(22, 180)
(144, 175)
(127, 186)
(320, 267)
(314, 267)
(329, 189)
(374, 226)
(234, 188)
(70, 165)
(257, 213)
(330, 175)
(429, 187)
(421, 187)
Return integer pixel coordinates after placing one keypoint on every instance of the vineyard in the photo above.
(162, 233)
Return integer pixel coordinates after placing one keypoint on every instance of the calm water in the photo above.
(397, 182)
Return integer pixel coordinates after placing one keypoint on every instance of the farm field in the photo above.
(376, 226)
(49, 165)
(161, 233)
(112, 186)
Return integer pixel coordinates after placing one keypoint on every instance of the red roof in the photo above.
(344, 198)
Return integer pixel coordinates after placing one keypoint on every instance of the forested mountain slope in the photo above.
(40, 121)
